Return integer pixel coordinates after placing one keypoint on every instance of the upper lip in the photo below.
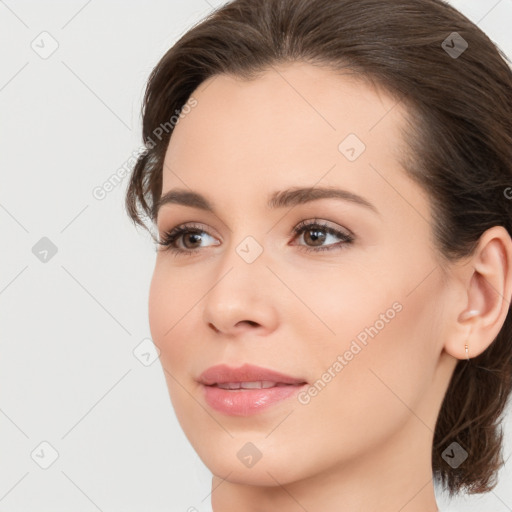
(221, 374)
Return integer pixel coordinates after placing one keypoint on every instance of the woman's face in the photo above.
(353, 307)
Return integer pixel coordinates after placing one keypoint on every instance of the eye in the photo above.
(188, 233)
(317, 231)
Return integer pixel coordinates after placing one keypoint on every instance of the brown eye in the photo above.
(315, 236)
(316, 233)
(191, 237)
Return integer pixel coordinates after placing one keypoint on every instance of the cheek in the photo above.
(170, 301)
(370, 398)
(385, 335)
(170, 307)
(388, 355)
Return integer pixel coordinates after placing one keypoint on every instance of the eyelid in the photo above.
(192, 225)
(324, 224)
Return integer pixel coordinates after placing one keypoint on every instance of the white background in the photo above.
(68, 374)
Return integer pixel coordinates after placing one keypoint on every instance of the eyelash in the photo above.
(170, 237)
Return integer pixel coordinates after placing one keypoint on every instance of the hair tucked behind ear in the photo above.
(459, 147)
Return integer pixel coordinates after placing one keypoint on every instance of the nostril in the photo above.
(213, 327)
(250, 322)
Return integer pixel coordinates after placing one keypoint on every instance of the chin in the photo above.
(242, 462)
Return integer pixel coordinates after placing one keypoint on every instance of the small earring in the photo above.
(465, 316)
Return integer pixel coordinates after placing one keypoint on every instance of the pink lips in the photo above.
(246, 390)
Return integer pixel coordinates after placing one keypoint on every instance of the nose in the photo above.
(243, 299)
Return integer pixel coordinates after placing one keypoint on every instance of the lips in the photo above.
(223, 374)
(246, 390)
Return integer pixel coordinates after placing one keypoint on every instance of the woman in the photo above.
(330, 181)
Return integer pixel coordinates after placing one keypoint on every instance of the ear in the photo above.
(487, 280)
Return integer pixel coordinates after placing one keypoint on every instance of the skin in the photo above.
(363, 442)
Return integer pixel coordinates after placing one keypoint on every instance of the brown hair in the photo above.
(459, 138)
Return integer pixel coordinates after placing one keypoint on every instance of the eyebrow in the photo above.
(280, 199)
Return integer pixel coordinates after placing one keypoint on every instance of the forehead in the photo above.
(290, 126)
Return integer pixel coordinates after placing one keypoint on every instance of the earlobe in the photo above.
(487, 279)
(466, 315)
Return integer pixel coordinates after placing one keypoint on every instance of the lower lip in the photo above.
(244, 402)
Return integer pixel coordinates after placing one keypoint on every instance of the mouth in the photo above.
(263, 384)
(248, 389)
